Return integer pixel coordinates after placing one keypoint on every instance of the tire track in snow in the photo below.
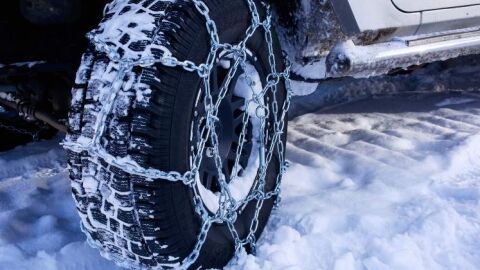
(392, 191)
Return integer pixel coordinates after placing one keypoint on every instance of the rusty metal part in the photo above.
(348, 59)
(27, 109)
(310, 29)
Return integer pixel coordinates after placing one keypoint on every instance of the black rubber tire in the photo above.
(135, 221)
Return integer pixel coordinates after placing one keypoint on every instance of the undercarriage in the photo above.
(47, 37)
(43, 42)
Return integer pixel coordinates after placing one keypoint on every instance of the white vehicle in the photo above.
(177, 125)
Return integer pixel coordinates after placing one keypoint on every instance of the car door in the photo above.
(430, 5)
(407, 17)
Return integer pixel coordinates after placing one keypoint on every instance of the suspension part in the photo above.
(27, 109)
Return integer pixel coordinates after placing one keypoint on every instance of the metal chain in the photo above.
(271, 117)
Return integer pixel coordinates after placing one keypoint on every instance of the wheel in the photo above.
(156, 121)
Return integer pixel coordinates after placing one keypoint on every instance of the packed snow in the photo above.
(390, 182)
(387, 183)
(39, 228)
(376, 186)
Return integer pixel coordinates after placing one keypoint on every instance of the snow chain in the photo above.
(227, 212)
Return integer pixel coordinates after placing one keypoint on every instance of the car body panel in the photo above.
(358, 16)
(425, 5)
(449, 19)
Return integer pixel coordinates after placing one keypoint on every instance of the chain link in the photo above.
(270, 142)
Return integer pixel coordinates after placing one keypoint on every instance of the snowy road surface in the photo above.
(390, 183)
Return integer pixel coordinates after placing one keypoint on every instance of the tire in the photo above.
(145, 223)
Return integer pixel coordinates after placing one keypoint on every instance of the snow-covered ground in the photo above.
(386, 183)
(39, 229)
(382, 184)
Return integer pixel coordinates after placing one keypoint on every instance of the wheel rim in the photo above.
(240, 179)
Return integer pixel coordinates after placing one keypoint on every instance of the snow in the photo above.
(388, 183)
(39, 228)
(24, 64)
(136, 23)
(7, 96)
(376, 190)
(454, 101)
